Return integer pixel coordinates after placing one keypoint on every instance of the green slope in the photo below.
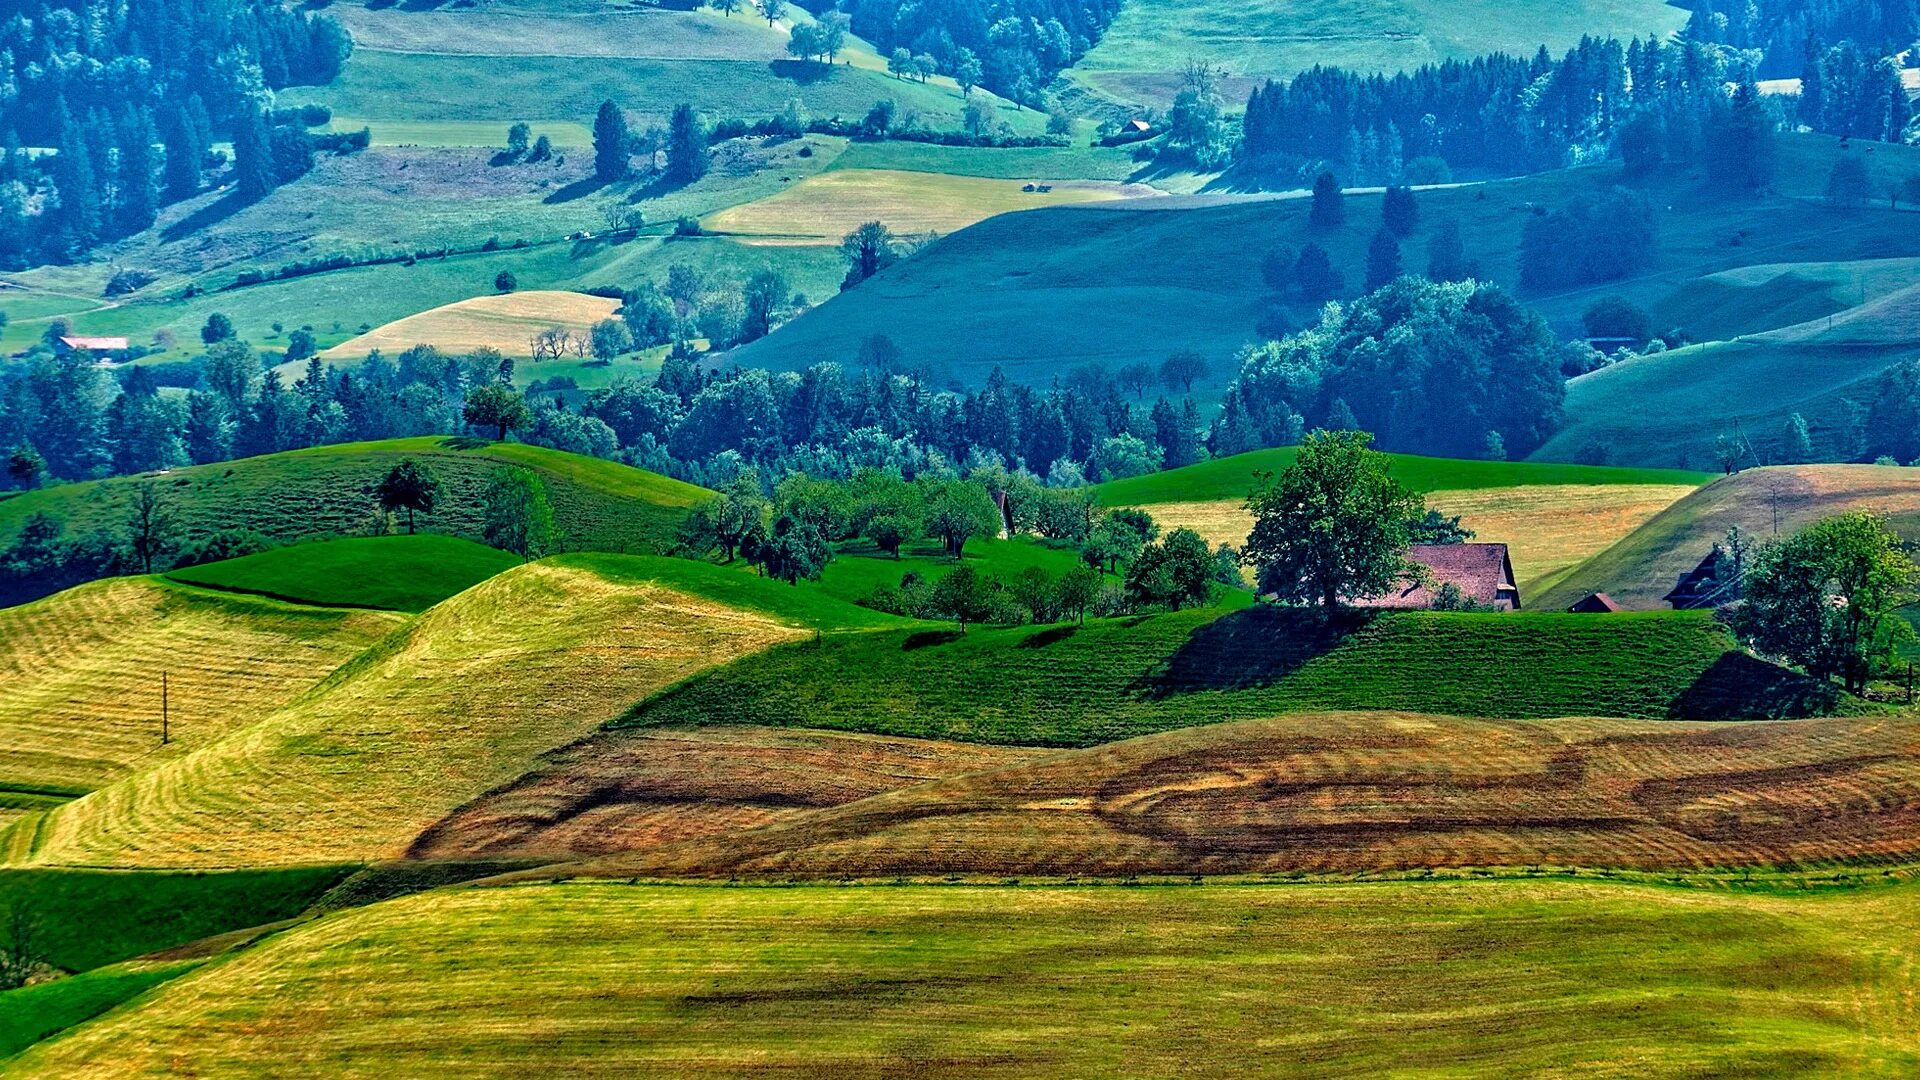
(397, 573)
(1114, 679)
(1233, 477)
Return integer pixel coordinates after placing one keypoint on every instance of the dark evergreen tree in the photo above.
(1398, 212)
(686, 145)
(611, 143)
(253, 165)
(1329, 205)
(1383, 259)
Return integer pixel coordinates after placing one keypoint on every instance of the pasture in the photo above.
(1118, 678)
(393, 573)
(1488, 977)
(82, 670)
(823, 208)
(1139, 58)
(506, 322)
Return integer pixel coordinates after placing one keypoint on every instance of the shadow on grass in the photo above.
(209, 215)
(1740, 687)
(1050, 636)
(579, 189)
(924, 639)
(1249, 649)
(465, 442)
(804, 72)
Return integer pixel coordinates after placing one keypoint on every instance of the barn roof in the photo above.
(1482, 572)
(1596, 602)
(96, 344)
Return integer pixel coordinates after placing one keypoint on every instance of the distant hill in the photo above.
(1040, 292)
(1764, 503)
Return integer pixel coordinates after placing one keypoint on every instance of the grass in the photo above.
(1765, 503)
(83, 669)
(569, 134)
(1343, 793)
(1109, 285)
(1232, 478)
(1012, 163)
(327, 491)
(823, 208)
(394, 573)
(505, 321)
(1116, 679)
(92, 918)
(504, 31)
(32, 1013)
(857, 571)
(460, 702)
(1498, 978)
(1140, 56)
(1754, 299)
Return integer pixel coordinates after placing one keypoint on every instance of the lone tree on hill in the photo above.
(1826, 599)
(611, 143)
(151, 526)
(1333, 524)
(408, 487)
(516, 515)
(1329, 205)
(498, 407)
(868, 249)
(1181, 370)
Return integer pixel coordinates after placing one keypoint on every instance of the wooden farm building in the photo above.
(1482, 572)
(1595, 604)
(1713, 582)
(102, 348)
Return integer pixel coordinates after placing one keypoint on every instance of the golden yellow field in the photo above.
(462, 702)
(822, 208)
(506, 322)
(1548, 528)
(81, 673)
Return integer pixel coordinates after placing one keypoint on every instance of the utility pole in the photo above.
(164, 733)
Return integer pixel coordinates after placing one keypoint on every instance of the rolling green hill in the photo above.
(1764, 503)
(1040, 292)
(397, 573)
(327, 491)
(1114, 679)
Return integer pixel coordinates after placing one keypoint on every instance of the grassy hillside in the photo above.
(1114, 679)
(1502, 978)
(29, 1014)
(82, 674)
(463, 700)
(397, 573)
(1365, 793)
(1108, 285)
(1140, 56)
(1753, 299)
(505, 322)
(327, 491)
(1764, 503)
(823, 208)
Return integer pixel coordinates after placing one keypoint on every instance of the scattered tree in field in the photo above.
(253, 163)
(686, 145)
(1076, 592)
(1383, 259)
(771, 10)
(1643, 143)
(868, 250)
(1177, 572)
(505, 282)
(1117, 538)
(542, 149)
(977, 114)
(410, 487)
(726, 7)
(734, 521)
(491, 405)
(1315, 276)
(301, 345)
(517, 139)
(1333, 525)
(1447, 254)
(795, 548)
(963, 595)
(1907, 191)
(1398, 212)
(152, 529)
(1797, 441)
(1827, 599)
(966, 70)
(1276, 267)
(216, 329)
(1181, 370)
(1848, 186)
(765, 297)
(957, 511)
(612, 143)
(1135, 377)
(1739, 152)
(1329, 205)
(515, 514)
(805, 42)
(25, 467)
(1617, 317)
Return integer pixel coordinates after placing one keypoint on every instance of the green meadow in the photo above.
(396, 573)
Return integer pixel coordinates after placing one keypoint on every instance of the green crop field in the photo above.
(1107, 284)
(1018, 163)
(397, 573)
(1117, 678)
(1496, 978)
(327, 491)
(1140, 56)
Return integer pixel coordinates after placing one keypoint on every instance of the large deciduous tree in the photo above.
(1333, 525)
(410, 487)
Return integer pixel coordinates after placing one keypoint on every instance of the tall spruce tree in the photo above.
(254, 176)
(611, 143)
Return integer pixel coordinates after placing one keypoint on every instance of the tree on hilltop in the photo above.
(498, 407)
(1333, 525)
(408, 487)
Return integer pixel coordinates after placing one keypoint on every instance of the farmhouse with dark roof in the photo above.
(1482, 572)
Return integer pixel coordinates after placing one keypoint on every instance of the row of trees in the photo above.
(1012, 47)
(615, 144)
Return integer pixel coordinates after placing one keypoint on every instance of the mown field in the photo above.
(461, 701)
(1764, 503)
(328, 491)
(394, 573)
(82, 671)
(1488, 978)
(505, 322)
(1115, 679)
(1140, 56)
(823, 208)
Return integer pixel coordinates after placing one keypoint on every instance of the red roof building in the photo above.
(1481, 572)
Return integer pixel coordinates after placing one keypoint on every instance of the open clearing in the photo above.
(1368, 792)
(396, 573)
(505, 321)
(1493, 978)
(464, 700)
(1139, 57)
(823, 208)
(82, 674)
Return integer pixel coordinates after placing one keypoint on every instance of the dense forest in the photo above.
(1787, 32)
(132, 96)
(1012, 47)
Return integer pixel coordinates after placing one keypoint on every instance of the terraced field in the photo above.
(82, 674)
(1496, 978)
(506, 322)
